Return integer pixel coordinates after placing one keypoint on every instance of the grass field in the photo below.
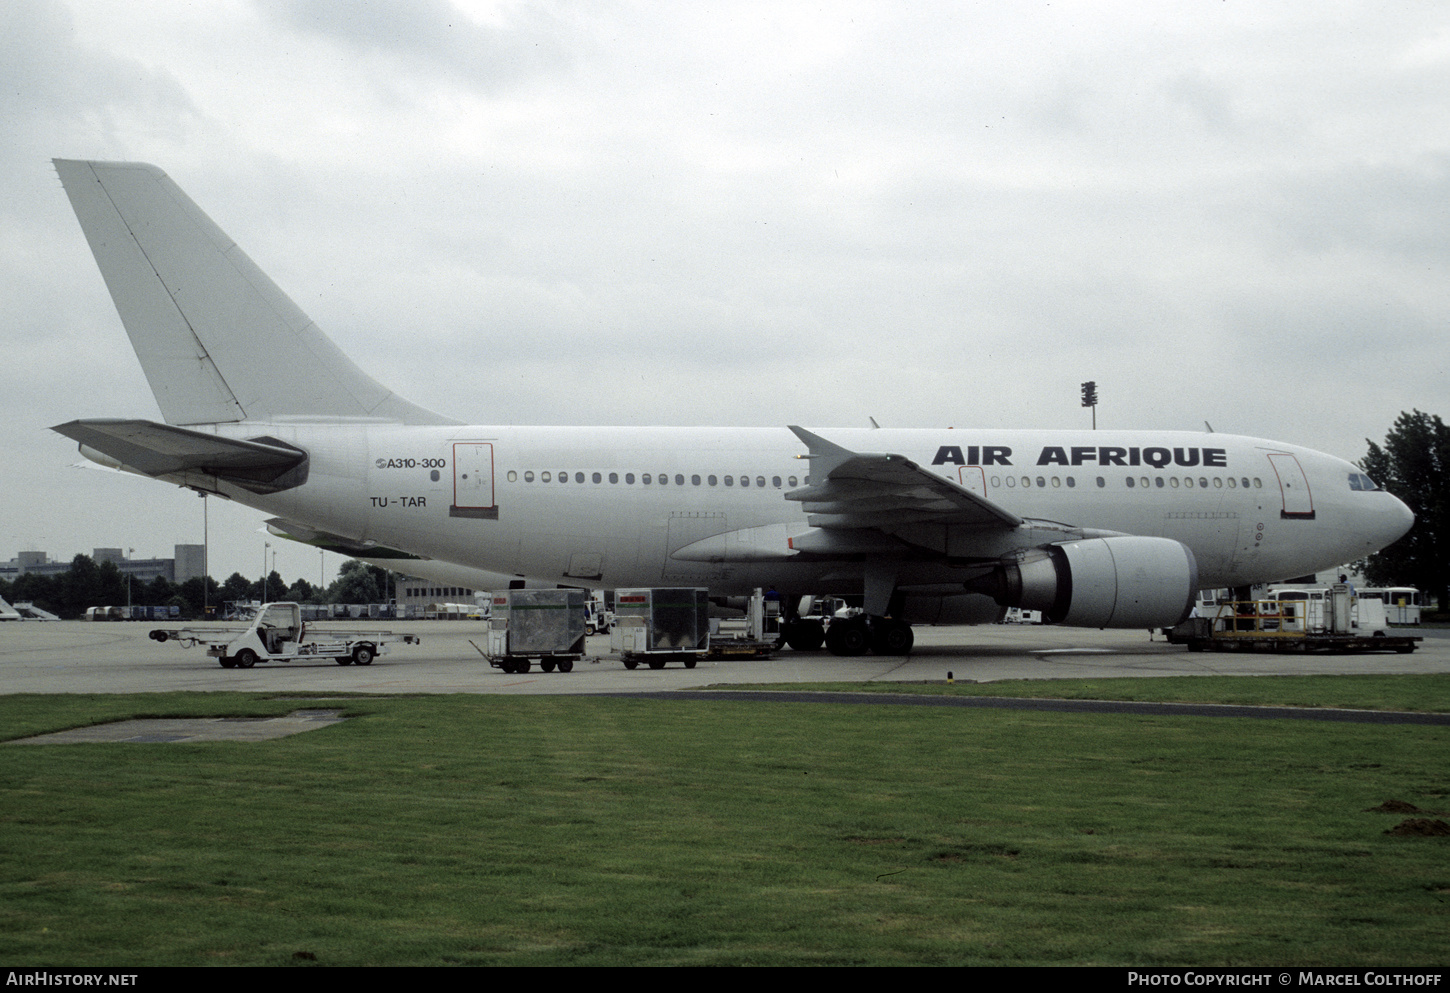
(568, 830)
(1427, 693)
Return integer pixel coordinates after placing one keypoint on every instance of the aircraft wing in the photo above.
(882, 491)
(262, 465)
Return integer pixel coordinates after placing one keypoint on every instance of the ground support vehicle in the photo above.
(1338, 622)
(542, 625)
(656, 626)
(1403, 604)
(278, 634)
(600, 618)
(755, 635)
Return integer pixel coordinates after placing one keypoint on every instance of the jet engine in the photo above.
(1122, 582)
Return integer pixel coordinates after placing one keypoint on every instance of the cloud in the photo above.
(434, 37)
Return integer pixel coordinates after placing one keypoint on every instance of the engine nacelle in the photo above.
(1125, 582)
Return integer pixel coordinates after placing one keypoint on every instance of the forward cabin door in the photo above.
(1293, 487)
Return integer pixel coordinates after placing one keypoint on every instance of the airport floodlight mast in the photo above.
(1090, 399)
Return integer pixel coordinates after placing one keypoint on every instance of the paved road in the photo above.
(75, 657)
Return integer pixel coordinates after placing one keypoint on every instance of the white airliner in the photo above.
(1093, 528)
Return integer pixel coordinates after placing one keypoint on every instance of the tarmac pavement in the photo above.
(119, 657)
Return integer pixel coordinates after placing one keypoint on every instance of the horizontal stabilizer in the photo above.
(262, 465)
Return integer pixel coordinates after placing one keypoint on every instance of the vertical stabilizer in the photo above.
(217, 339)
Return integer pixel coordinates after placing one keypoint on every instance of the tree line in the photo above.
(90, 584)
(1412, 464)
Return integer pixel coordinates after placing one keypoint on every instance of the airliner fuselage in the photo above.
(612, 507)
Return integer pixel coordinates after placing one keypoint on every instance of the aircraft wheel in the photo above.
(245, 659)
(847, 638)
(630, 663)
(547, 665)
(363, 655)
(656, 663)
(805, 636)
(890, 637)
(567, 665)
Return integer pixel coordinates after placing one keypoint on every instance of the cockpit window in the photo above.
(1358, 481)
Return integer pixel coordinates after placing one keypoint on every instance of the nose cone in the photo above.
(1392, 522)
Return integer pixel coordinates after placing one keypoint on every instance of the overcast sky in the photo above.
(747, 214)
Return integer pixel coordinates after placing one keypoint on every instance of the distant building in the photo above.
(188, 563)
(421, 593)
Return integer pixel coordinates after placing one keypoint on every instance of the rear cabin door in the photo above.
(473, 490)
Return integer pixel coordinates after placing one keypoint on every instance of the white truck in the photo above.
(278, 634)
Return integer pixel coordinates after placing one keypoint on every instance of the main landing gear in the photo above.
(859, 635)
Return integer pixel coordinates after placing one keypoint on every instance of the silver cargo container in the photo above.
(655, 625)
(543, 624)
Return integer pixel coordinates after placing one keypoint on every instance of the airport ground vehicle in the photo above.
(758, 633)
(1330, 619)
(1403, 604)
(278, 634)
(600, 618)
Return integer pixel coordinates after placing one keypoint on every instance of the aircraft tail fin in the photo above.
(217, 339)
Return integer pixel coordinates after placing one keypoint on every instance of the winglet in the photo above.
(825, 455)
